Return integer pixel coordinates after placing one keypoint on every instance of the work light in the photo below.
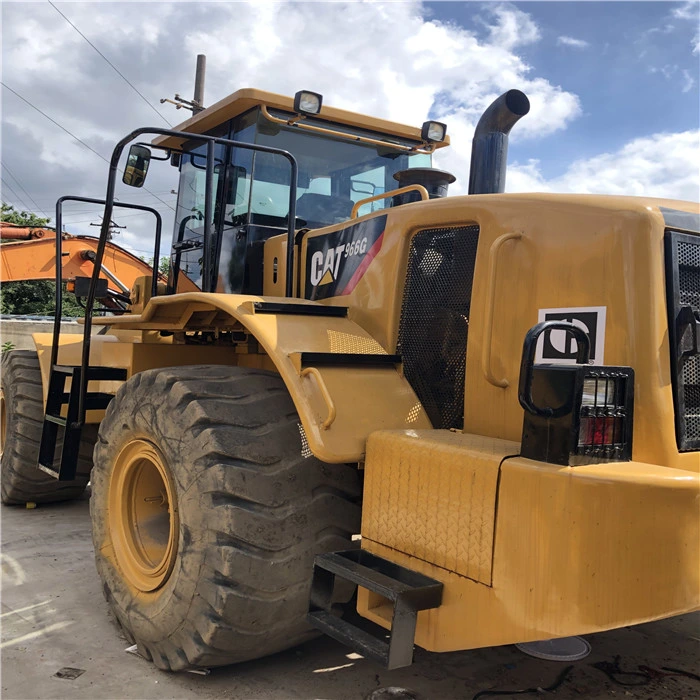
(433, 132)
(306, 102)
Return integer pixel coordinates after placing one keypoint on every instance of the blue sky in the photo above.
(613, 85)
(637, 73)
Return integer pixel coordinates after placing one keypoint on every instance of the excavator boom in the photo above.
(32, 254)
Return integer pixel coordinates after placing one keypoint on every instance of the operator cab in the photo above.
(342, 158)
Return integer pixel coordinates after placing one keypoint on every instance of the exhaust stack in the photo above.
(487, 174)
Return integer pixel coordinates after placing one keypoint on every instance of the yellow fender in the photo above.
(339, 406)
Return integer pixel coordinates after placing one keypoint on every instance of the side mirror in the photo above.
(136, 166)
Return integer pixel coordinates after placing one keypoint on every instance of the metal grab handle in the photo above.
(583, 354)
(490, 304)
(385, 195)
(298, 121)
(324, 392)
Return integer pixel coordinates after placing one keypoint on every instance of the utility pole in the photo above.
(199, 83)
(197, 103)
(112, 229)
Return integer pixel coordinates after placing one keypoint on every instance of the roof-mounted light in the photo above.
(306, 102)
(433, 132)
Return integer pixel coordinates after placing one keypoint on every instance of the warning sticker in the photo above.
(559, 347)
(335, 263)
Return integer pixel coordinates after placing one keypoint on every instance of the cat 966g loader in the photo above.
(500, 393)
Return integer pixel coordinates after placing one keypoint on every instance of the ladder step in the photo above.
(72, 424)
(99, 373)
(97, 399)
(408, 590)
(94, 400)
(346, 633)
(381, 576)
(49, 470)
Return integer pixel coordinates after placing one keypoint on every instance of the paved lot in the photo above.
(54, 616)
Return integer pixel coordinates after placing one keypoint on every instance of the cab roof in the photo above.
(247, 98)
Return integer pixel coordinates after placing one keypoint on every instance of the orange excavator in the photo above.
(30, 254)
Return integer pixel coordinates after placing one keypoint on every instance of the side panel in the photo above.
(432, 495)
(574, 258)
(575, 550)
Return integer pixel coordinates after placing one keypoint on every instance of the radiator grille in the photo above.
(683, 253)
(435, 320)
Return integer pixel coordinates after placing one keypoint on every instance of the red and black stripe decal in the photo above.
(336, 262)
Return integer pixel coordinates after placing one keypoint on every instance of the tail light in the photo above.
(574, 414)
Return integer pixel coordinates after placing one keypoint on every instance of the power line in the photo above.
(111, 64)
(17, 197)
(39, 209)
(53, 121)
(117, 215)
(52, 200)
(96, 211)
(63, 128)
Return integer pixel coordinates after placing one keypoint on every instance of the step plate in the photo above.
(408, 590)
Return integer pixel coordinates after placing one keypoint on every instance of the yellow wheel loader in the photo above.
(481, 413)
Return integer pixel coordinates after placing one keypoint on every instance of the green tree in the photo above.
(35, 298)
(23, 218)
(163, 264)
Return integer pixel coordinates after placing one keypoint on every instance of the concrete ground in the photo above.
(54, 617)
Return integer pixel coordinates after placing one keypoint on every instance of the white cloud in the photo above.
(571, 41)
(688, 81)
(420, 68)
(673, 72)
(662, 165)
(687, 10)
(512, 27)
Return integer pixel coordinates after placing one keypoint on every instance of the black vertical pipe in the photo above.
(487, 174)
(156, 257)
(207, 258)
(58, 312)
(99, 255)
(289, 279)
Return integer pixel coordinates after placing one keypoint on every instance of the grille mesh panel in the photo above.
(687, 257)
(435, 320)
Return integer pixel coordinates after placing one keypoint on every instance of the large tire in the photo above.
(207, 514)
(22, 409)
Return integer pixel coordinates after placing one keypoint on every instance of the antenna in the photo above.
(197, 103)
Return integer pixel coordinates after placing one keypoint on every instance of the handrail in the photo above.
(324, 392)
(296, 120)
(109, 206)
(416, 188)
(97, 265)
(490, 304)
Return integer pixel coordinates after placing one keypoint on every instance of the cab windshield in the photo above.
(334, 174)
(251, 191)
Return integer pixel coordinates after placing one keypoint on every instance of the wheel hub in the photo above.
(143, 518)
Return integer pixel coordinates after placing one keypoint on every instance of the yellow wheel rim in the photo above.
(143, 518)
